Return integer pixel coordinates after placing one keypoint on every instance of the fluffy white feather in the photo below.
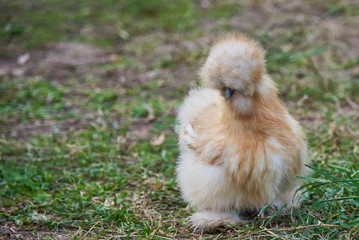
(238, 152)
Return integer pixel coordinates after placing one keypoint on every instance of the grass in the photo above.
(105, 23)
(89, 151)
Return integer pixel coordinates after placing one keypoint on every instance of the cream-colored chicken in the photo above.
(240, 148)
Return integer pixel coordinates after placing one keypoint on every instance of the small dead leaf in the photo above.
(205, 4)
(113, 57)
(123, 34)
(166, 234)
(332, 129)
(37, 217)
(17, 72)
(352, 103)
(23, 58)
(151, 115)
(302, 100)
(4, 72)
(109, 202)
(120, 140)
(158, 140)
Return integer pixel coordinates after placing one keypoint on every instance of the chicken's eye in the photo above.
(229, 92)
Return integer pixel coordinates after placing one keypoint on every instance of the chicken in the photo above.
(240, 148)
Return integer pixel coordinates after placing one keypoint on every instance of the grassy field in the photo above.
(88, 97)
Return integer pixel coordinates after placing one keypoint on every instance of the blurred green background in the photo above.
(89, 92)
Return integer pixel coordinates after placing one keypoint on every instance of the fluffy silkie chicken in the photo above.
(240, 148)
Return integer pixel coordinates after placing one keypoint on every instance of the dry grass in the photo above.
(75, 140)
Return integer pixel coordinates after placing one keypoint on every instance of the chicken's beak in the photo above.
(229, 92)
